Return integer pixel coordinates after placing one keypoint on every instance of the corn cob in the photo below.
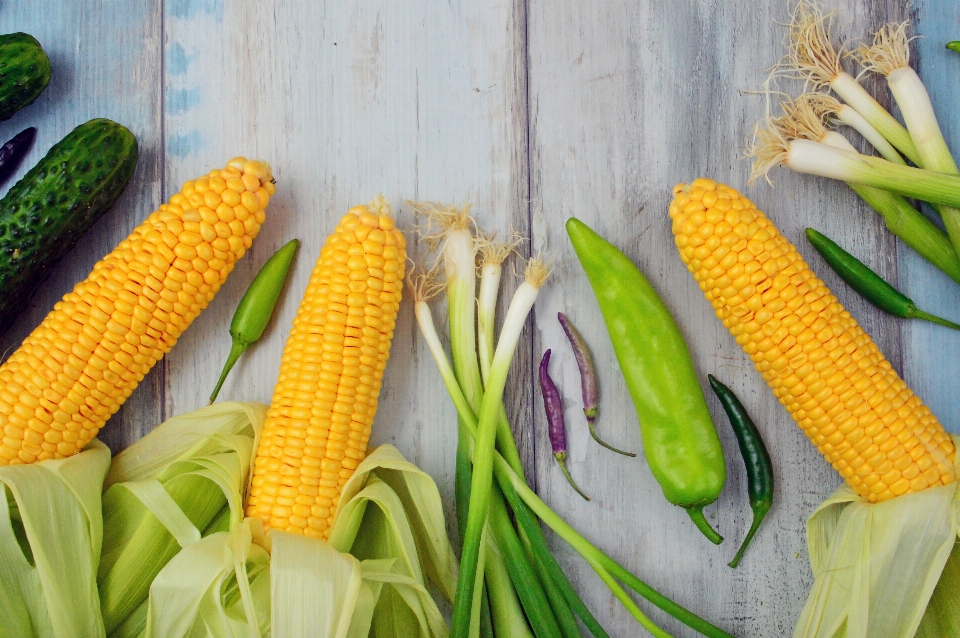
(820, 363)
(318, 424)
(79, 366)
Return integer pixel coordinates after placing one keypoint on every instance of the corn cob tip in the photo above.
(820, 364)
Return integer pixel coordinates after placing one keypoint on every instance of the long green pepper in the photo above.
(680, 441)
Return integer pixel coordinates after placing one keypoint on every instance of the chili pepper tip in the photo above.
(562, 461)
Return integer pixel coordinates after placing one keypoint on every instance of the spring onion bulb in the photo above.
(827, 107)
(812, 57)
(816, 158)
(492, 255)
(889, 55)
(802, 120)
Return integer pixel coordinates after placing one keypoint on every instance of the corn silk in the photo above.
(885, 570)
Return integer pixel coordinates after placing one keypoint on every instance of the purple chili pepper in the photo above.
(553, 406)
(588, 379)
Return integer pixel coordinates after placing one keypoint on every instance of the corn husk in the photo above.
(161, 495)
(418, 498)
(219, 586)
(391, 520)
(48, 584)
(876, 565)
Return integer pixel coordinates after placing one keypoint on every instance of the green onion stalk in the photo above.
(564, 600)
(521, 497)
(890, 56)
(802, 120)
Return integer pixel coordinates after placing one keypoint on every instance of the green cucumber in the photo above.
(47, 211)
(24, 72)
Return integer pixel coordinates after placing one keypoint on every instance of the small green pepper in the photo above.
(756, 459)
(868, 283)
(954, 46)
(255, 309)
(680, 440)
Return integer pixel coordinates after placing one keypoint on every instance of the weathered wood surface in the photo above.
(534, 111)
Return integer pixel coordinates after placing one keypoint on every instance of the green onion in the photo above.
(817, 158)
(484, 444)
(825, 106)
(812, 57)
(802, 120)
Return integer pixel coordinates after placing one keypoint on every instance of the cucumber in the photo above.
(24, 72)
(45, 213)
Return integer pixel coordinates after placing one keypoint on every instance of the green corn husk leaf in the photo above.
(219, 586)
(404, 607)
(942, 617)
(876, 565)
(420, 500)
(50, 533)
(315, 589)
(189, 474)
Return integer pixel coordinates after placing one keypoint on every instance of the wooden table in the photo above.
(534, 110)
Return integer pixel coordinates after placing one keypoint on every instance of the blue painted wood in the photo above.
(931, 365)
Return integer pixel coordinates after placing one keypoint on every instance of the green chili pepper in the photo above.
(255, 309)
(679, 438)
(954, 46)
(868, 283)
(755, 458)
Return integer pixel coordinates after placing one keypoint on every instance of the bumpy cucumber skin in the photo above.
(24, 72)
(45, 213)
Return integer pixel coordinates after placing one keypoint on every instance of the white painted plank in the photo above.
(346, 100)
(627, 99)
(106, 63)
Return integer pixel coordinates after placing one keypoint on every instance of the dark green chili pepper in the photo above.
(954, 46)
(255, 309)
(680, 440)
(868, 283)
(13, 152)
(755, 458)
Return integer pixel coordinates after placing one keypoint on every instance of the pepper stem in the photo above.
(562, 461)
(916, 313)
(236, 350)
(759, 512)
(696, 514)
(596, 437)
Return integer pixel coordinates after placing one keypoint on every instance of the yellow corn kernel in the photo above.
(75, 370)
(828, 373)
(319, 421)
